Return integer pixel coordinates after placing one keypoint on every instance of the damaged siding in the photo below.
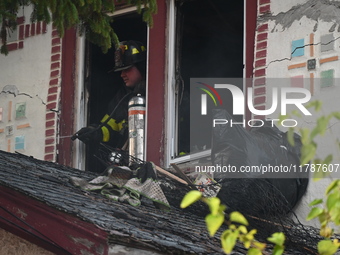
(298, 45)
(29, 89)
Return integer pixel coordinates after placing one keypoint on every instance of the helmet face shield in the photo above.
(128, 54)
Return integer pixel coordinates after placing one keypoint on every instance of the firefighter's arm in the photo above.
(111, 127)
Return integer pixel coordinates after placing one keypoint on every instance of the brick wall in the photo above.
(260, 61)
(52, 98)
(25, 31)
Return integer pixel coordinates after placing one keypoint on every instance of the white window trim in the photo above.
(81, 100)
(171, 118)
(125, 11)
(171, 135)
(146, 96)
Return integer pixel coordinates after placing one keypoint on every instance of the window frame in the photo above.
(82, 94)
(171, 111)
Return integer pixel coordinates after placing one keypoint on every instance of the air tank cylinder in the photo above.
(136, 112)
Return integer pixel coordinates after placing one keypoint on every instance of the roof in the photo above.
(143, 227)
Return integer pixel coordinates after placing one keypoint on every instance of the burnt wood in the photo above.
(145, 227)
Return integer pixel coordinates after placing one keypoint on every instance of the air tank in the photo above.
(136, 112)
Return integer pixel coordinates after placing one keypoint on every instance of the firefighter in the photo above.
(130, 60)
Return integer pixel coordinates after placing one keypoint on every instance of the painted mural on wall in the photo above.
(12, 120)
(298, 45)
(304, 47)
(29, 88)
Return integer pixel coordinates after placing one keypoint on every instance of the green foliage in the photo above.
(278, 239)
(326, 210)
(190, 198)
(214, 222)
(329, 213)
(8, 11)
(237, 226)
(328, 247)
(238, 218)
(315, 212)
(315, 202)
(228, 239)
(309, 143)
(91, 15)
(150, 7)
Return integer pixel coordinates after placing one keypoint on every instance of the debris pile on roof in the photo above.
(123, 184)
(144, 227)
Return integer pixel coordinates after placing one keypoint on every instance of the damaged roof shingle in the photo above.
(142, 227)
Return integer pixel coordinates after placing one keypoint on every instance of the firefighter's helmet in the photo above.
(129, 53)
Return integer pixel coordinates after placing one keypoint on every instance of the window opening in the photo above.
(209, 44)
(102, 83)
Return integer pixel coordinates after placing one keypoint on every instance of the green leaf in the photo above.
(243, 229)
(328, 159)
(323, 219)
(277, 238)
(307, 153)
(228, 240)
(214, 222)
(222, 208)
(315, 202)
(318, 105)
(335, 213)
(190, 198)
(214, 205)
(250, 236)
(315, 212)
(282, 118)
(327, 247)
(336, 115)
(239, 218)
(254, 251)
(259, 245)
(314, 133)
(304, 135)
(323, 168)
(332, 200)
(332, 186)
(322, 124)
(318, 175)
(246, 243)
(232, 227)
(278, 250)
